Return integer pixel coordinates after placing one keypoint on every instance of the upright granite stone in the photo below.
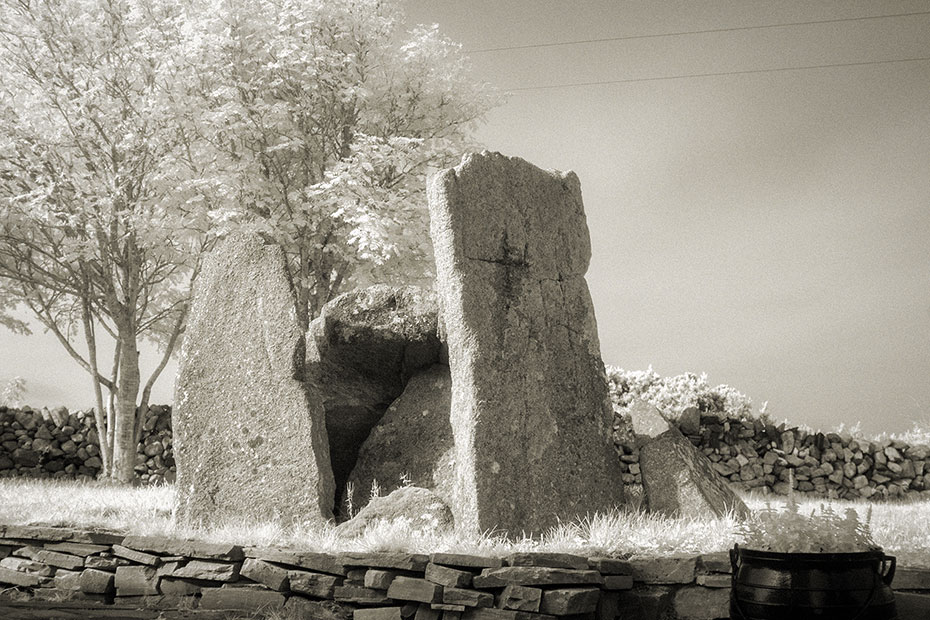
(678, 480)
(531, 416)
(250, 440)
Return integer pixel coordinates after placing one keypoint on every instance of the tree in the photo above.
(100, 231)
(322, 119)
(133, 132)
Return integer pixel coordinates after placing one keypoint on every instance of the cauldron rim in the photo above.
(876, 555)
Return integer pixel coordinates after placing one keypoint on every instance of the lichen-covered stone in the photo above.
(531, 416)
(413, 440)
(423, 509)
(679, 481)
(250, 438)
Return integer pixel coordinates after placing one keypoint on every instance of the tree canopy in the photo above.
(134, 132)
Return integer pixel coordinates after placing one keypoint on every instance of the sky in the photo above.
(768, 228)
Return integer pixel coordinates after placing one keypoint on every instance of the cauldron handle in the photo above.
(888, 574)
(734, 558)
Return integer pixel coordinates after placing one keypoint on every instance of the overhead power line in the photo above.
(690, 32)
(716, 74)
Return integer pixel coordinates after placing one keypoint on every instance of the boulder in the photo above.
(413, 441)
(678, 480)
(361, 351)
(249, 435)
(531, 416)
(421, 507)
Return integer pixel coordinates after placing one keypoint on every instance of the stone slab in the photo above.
(271, 576)
(136, 581)
(250, 599)
(531, 414)
(714, 580)
(520, 598)
(135, 556)
(569, 601)
(379, 579)
(60, 560)
(208, 571)
(445, 576)
(464, 560)
(715, 562)
(101, 563)
(237, 456)
(413, 589)
(313, 584)
(360, 595)
(318, 562)
(670, 569)
(35, 533)
(68, 580)
(81, 549)
(186, 548)
(551, 560)
(400, 561)
(535, 576)
(183, 587)
(468, 598)
(377, 613)
(610, 566)
(17, 578)
(618, 582)
(95, 581)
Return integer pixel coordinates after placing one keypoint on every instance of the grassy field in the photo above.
(900, 528)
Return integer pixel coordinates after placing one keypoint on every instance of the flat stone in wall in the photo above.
(250, 438)
(530, 408)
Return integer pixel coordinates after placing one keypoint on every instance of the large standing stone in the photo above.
(412, 440)
(678, 480)
(250, 439)
(361, 352)
(530, 415)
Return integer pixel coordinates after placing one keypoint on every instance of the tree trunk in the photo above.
(124, 440)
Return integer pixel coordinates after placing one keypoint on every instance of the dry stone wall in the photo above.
(57, 443)
(754, 455)
(824, 464)
(95, 574)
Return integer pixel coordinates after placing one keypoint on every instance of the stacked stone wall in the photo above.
(754, 455)
(748, 453)
(59, 444)
(98, 574)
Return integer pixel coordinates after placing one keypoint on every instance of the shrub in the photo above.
(672, 395)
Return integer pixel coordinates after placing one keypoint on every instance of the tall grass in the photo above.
(901, 528)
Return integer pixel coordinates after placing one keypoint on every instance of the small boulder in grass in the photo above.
(420, 508)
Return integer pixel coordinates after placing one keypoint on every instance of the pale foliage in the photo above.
(13, 392)
(320, 121)
(672, 395)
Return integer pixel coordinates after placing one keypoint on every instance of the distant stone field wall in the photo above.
(59, 444)
(755, 455)
(750, 454)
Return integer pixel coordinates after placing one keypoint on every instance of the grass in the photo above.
(900, 528)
